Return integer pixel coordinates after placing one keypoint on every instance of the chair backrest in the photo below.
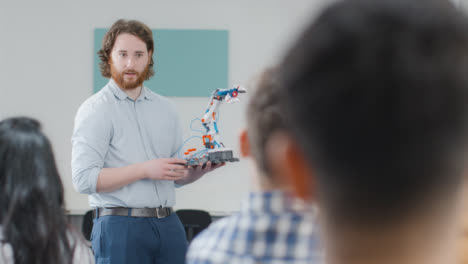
(194, 221)
(87, 224)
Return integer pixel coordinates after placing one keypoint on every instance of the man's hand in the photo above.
(171, 169)
(196, 172)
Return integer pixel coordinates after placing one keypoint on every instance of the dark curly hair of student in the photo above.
(31, 195)
(376, 95)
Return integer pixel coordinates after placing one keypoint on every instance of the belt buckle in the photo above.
(161, 212)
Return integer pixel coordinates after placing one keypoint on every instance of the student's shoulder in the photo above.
(6, 253)
(217, 228)
(213, 244)
(82, 250)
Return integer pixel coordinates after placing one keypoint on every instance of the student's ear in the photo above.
(244, 143)
(289, 164)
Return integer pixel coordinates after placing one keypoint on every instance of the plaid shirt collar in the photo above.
(274, 202)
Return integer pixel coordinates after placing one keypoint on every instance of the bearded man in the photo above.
(124, 142)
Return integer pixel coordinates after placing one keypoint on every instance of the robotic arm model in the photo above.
(215, 150)
(211, 137)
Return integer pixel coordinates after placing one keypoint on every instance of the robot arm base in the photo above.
(217, 156)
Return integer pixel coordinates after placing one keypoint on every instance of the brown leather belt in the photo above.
(158, 212)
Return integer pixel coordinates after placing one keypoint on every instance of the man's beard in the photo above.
(129, 85)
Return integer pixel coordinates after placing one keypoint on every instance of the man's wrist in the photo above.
(139, 171)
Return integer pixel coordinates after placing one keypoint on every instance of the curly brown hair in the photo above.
(133, 27)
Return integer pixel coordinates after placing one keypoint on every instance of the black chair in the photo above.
(87, 225)
(194, 221)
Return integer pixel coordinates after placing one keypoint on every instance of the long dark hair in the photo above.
(31, 195)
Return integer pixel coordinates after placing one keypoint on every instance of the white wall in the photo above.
(46, 56)
(462, 3)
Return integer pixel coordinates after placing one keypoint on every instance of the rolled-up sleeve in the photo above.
(90, 142)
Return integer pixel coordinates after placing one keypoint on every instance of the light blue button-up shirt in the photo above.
(111, 131)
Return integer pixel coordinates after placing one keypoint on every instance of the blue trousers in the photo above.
(141, 240)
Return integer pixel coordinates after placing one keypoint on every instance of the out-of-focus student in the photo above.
(33, 225)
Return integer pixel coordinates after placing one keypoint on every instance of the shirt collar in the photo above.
(276, 202)
(145, 94)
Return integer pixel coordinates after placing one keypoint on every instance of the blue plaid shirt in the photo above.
(271, 227)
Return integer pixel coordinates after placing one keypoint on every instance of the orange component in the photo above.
(203, 120)
(193, 149)
(212, 146)
(186, 153)
(214, 116)
(206, 136)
